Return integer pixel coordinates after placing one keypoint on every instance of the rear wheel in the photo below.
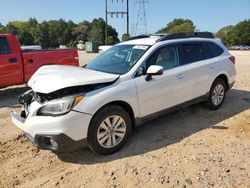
(109, 130)
(217, 94)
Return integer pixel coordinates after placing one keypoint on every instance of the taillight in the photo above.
(232, 59)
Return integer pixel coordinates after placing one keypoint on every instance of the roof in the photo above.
(143, 41)
(155, 38)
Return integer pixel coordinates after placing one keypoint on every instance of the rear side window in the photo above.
(192, 52)
(4, 46)
(212, 50)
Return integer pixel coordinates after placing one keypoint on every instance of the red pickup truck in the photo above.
(17, 66)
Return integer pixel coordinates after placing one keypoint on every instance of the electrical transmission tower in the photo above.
(117, 14)
(141, 24)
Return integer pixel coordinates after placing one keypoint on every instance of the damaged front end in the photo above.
(65, 92)
(63, 99)
(25, 100)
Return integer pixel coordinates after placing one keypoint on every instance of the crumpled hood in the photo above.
(54, 77)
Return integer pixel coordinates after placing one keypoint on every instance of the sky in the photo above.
(207, 15)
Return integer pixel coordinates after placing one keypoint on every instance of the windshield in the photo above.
(119, 59)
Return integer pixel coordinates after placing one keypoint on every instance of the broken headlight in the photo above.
(59, 107)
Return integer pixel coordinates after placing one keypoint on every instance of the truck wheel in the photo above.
(217, 94)
(109, 130)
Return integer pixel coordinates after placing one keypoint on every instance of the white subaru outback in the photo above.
(97, 105)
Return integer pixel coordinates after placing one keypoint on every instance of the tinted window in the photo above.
(212, 49)
(4, 47)
(166, 57)
(192, 52)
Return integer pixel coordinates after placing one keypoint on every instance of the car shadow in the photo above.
(169, 129)
(9, 96)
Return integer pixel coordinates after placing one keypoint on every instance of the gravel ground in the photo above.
(192, 147)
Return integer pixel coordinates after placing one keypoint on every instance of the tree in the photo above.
(235, 35)
(32, 22)
(51, 34)
(2, 29)
(178, 25)
(55, 33)
(81, 31)
(112, 36)
(242, 32)
(42, 35)
(26, 38)
(10, 28)
(21, 30)
(125, 37)
(70, 38)
(97, 32)
(227, 35)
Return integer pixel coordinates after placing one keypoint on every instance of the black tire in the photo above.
(210, 104)
(99, 117)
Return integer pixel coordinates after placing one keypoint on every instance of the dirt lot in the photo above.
(192, 147)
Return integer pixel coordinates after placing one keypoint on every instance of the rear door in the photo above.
(10, 64)
(199, 69)
(163, 91)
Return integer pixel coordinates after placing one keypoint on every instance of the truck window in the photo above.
(4, 46)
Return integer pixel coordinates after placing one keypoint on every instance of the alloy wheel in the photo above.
(218, 94)
(111, 131)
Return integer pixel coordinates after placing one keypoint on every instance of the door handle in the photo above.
(180, 76)
(30, 61)
(212, 66)
(12, 60)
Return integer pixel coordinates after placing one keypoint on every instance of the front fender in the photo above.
(119, 91)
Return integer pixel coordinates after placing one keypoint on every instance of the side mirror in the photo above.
(154, 70)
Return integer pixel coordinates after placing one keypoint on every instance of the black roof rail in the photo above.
(138, 37)
(186, 35)
(159, 34)
(204, 35)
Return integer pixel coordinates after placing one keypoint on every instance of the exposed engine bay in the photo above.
(29, 96)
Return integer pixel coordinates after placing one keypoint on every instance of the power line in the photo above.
(141, 24)
(116, 14)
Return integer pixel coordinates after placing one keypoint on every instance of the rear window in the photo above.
(212, 50)
(4, 46)
(192, 52)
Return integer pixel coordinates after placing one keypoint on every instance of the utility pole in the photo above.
(117, 14)
(106, 18)
(128, 17)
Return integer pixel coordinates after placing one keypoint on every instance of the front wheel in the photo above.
(109, 130)
(217, 94)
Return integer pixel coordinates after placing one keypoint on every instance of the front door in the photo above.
(10, 65)
(163, 91)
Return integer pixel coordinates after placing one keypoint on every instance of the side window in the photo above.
(212, 50)
(192, 52)
(4, 46)
(208, 51)
(166, 57)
